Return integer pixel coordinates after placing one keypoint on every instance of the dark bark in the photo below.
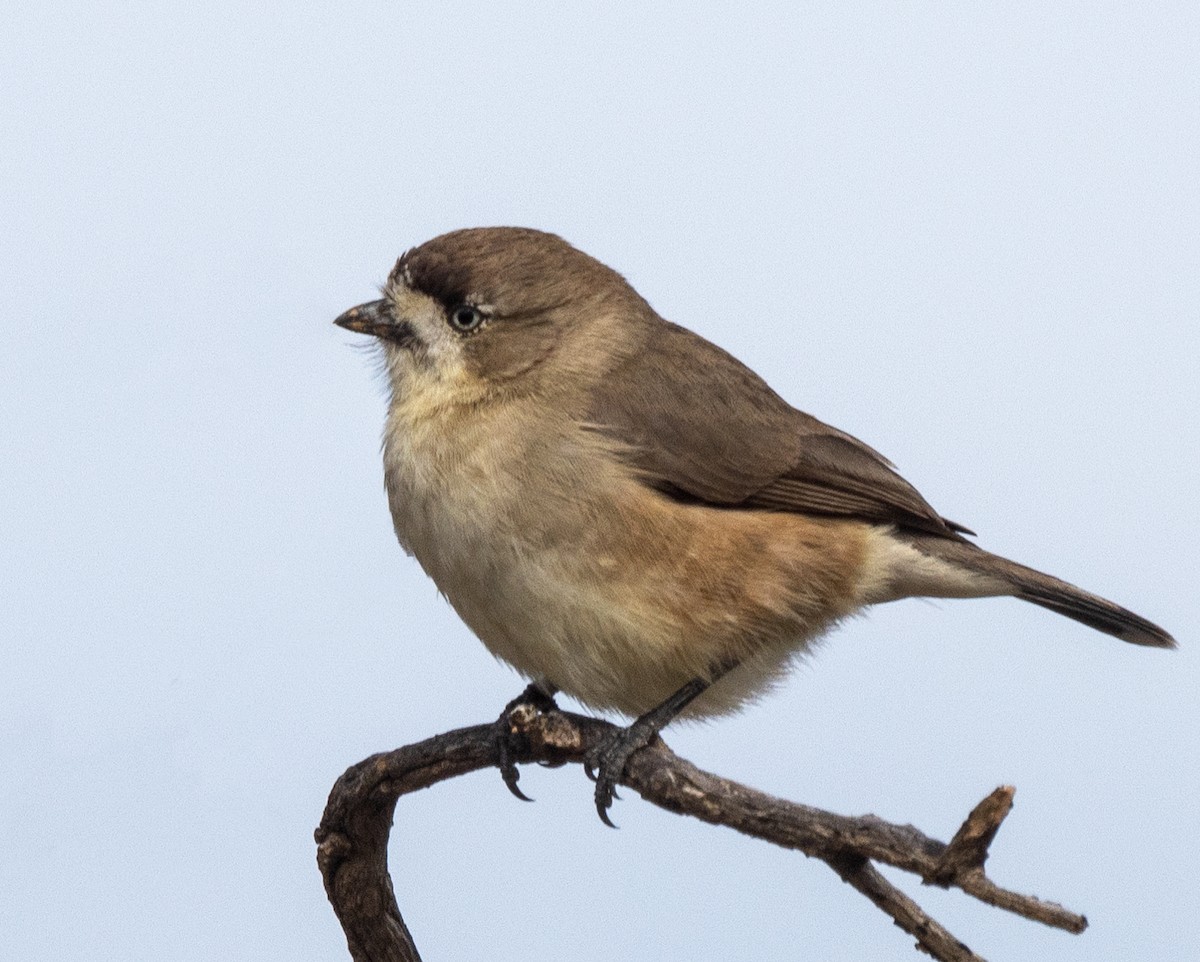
(353, 835)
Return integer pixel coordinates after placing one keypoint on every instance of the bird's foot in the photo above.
(605, 764)
(510, 743)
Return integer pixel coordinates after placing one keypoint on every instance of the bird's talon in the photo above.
(604, 816)
(541, 702)
(510, 776)
(606, 765)
(508, 768)
(605, 794)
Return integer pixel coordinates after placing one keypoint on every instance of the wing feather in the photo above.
(697, 423)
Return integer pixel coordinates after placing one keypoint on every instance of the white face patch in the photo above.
(433, 363)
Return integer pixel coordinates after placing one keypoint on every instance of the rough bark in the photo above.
(353, 835)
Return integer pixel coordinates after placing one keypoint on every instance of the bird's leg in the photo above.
(606, 764)
(540, 696)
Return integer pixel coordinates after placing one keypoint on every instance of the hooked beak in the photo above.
(376, 318)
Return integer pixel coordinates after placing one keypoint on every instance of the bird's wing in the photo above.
(697, 423)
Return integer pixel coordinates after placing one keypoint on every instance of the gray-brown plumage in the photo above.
(736, 443)
(701, 423)
(622, 510)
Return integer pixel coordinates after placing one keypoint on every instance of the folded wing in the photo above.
(698, 424)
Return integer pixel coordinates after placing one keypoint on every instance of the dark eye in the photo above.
(466, 318)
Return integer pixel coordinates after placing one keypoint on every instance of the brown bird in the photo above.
(624, 512)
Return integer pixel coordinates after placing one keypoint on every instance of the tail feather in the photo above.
(1048, 591)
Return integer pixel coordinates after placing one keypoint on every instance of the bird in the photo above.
(627, 514)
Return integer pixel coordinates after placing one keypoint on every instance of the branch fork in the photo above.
(352, 838)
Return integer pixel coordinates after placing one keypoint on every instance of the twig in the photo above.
(352, 837)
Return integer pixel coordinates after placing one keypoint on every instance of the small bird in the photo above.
(624, 512)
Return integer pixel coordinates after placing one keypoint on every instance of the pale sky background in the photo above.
(967, 233)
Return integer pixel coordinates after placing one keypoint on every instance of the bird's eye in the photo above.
(466, 318)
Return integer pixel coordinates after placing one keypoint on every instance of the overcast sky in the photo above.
(967, 233)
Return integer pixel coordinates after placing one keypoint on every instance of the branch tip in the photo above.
(968, 850)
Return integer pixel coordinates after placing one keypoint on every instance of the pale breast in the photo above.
(569, 569)
(494, 505)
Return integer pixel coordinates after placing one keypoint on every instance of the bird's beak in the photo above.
(378, 319)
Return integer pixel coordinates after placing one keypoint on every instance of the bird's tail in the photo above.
(1046, 590)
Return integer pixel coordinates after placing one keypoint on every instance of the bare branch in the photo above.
(931, 937)
(968, 850)
(352, 838)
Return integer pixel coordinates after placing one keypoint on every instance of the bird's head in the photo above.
(491, 306)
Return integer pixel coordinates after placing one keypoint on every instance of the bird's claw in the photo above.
(508, 742)
(605, 765)
(508, 768)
